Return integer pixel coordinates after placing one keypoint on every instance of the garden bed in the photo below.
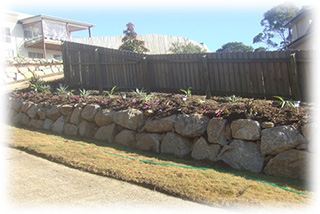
(158, 105)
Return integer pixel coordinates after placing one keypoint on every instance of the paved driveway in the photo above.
(36, 183)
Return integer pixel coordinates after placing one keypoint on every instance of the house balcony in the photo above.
(48, 33)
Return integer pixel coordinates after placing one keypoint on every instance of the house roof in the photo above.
(73, 25)
(157, 44)
(305, 11)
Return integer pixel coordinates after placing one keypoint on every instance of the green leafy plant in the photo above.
(112, 91)
(84, 93)
(147, 98)
(282, 102)
(251, 109)
(63, 89)
(138, 93)
(38, 85)
(187, 92)
(232, 98)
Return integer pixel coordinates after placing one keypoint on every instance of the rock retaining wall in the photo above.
(16, 70)
(244, 144)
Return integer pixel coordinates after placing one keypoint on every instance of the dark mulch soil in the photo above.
(164, 104)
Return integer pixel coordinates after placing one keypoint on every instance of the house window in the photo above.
(35, 55)
(9, 53)
(59, 57)
(6, 34)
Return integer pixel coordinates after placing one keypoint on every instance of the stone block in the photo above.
(245, 129)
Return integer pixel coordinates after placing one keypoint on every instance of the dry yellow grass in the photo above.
(206, 186)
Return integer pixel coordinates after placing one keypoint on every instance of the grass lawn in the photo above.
(218, 186)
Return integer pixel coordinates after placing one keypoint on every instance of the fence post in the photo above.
(207, 88)
(294, 68)
(66, 69)
(145, 74)
(98, 71)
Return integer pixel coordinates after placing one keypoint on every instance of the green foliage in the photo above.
(260, 49)
(113, 89)
(62, 89)
(273, 22)
(235, 47)
(250, 108)
(84, 93)
(232, 98)
(147, 98)
(38, 85)
(130, 41)
(186, 47)
(138, 93)
(187, 92)
(282, 102)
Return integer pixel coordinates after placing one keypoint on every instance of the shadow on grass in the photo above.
(219, 166)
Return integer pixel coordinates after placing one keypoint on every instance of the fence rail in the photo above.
(255, 74)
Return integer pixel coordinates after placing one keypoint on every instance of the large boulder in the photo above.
(32, 111)
(126, 137)
(129, 118)
(66, 109)
(104, 117)
(90, 111)
(87, 129)
(53, 113)
(161, 125)
(148, 142)
(107, 133)
(42, 113)
(76, 116)
(216, 131)
(290, 164)
(279, 139)
(22, 119)
(47, 125)
(70, 129)
(16, 104)
(203, 150)
(37, 124)
(243, 155)
(25, 106)
(191, 125)
(245, 129)
(175, 144)
(58, 125)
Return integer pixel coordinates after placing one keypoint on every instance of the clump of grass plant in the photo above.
(84, 93)
(38, 85)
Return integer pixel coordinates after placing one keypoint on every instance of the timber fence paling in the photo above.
(261, 74)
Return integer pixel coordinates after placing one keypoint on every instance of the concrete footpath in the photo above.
(6, 88)
(35, 183)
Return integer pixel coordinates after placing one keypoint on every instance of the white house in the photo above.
(157, 44)
(302, 29)
(38, 36)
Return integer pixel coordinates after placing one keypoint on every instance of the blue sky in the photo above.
(203, 21)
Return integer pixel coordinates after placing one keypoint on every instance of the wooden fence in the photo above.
(254, 74)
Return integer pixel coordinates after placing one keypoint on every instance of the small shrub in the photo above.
(187, 92)
(138, 93)
(251, 109)
(111, 93)
(147, 98)
(38, 85)
(84, 93)
(282, 102)
(62, 89)
(232, 98)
